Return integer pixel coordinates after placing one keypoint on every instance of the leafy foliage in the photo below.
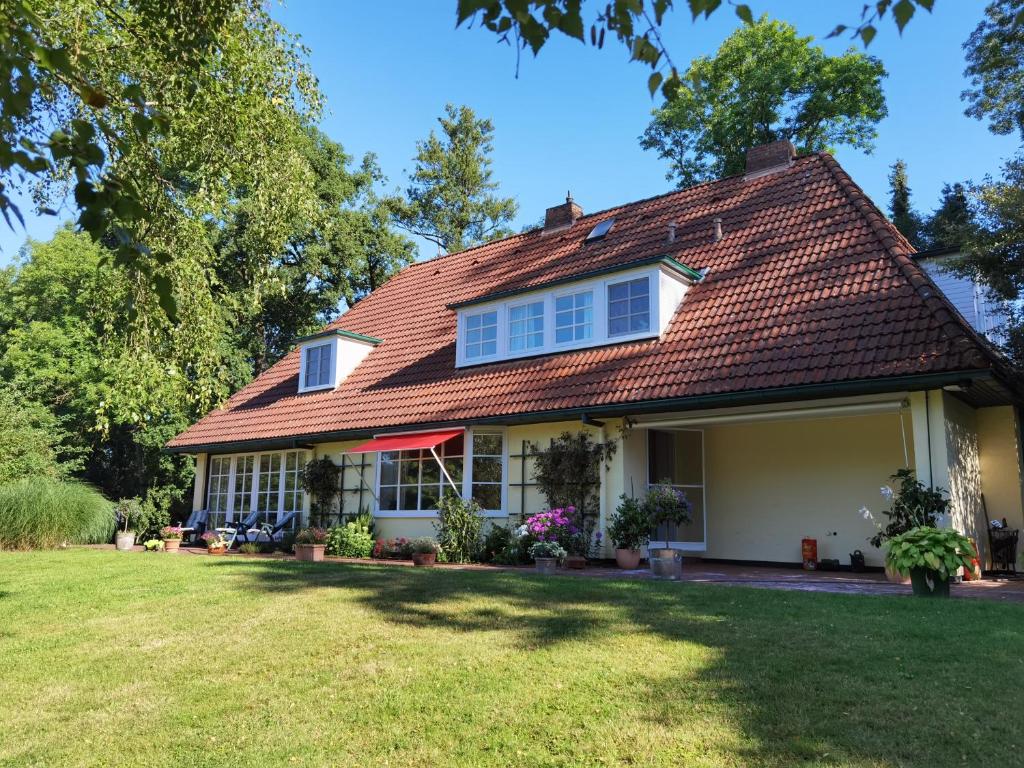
(995, 51)
(423, 546)
(913, 506)
(451, 198)
(459, 524)
(28, 439)
(529, 24)
(666, 505)
(311, 536)
(764, 84)
(320, 479)
(952, 224)
(568, 472)
(630, 526)
(349, 540)
(547, 549)
(41, 512)
(937, 549)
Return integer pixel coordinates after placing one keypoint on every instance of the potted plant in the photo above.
(153, 545)
(128, 513)
(666, 505)
(424, 551)
(215, 543)
(310, 544)
(171, 535)
(913, 505)
(629, 530)
(930, 556)
(546, 555)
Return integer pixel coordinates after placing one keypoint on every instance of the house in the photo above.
(766, 342)
(983, 310)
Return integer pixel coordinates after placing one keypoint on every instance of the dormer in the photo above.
(327, 358)
(631, 302)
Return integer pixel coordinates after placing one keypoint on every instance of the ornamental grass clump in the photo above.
(42, 512)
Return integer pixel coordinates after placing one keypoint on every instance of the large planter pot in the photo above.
(894, 576)
(424, 558)
(312, 553)
(124, 540)
(928, 583)
(172, 545)
(628, 559)
(216, 550)
(576, 562)
(545, 565)
(667, 564)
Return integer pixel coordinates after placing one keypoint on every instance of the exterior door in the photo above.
(676, 457)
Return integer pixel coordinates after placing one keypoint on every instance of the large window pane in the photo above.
(482, 335)
(412, 481)
(526, 327)
(244, 466)
(629, 307)
(220, 476)
(678, 457)
(318, 365)
(487, 477)
(574, 317)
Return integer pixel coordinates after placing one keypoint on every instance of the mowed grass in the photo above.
(180, 660)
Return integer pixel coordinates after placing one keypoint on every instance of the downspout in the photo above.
(928, 436)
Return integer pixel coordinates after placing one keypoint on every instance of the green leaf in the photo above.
(867, 34)
(653, 82)
(903, 11)
(743, 11)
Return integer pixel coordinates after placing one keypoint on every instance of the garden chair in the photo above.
(195, 526)
(242, 528)
(272, 532)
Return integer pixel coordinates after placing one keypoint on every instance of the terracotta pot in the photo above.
(576, 562)
(628, 559)
(895, 576)
(216, 550)
(125, 540)
(171, 545)
(424, 558)
(545, 565)
(311, 553)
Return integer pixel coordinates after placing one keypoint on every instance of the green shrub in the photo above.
(497, 540)
(250, 548)
(288, 542)
(936, 549)
(459, 524)
(349, 540)
(630, 527)
(40, 512)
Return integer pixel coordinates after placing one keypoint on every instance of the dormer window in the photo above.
(318, 366)
(629, 303)
(327, 358)
(629, 307)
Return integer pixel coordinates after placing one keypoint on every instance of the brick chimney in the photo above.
(769, 158)
(562, 216)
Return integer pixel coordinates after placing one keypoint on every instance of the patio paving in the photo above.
(1000, 588)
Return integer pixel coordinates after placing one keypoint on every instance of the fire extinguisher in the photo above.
(809, 554)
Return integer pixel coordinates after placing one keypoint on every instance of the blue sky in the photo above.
(571, 119)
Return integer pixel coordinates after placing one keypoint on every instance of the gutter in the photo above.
(911, 383)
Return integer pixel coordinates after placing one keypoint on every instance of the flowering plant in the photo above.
(170, 533)
(913, 506)
(553, 525)
(666, 504)
(311, 536)
(213, 540)
(547, 549)
(392, 549)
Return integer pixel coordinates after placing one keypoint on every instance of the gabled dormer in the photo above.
(328, 357)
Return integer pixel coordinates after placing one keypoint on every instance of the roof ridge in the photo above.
(899, 249)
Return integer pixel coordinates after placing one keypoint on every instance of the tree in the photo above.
(28, 440)
(529, 24)
(764, 84)
(152, 116)
(995, 52)
(450, 199)
(952, 223)
(901, 211)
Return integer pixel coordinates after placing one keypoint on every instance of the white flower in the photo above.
(866, 513)
(521, 531)
(886, 491)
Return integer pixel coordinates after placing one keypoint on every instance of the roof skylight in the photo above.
(602, 229)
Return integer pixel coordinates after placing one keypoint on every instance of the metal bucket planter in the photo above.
(667, 564)
(125, 540)
(545, 565)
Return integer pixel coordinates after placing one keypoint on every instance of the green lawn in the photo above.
(115, 659)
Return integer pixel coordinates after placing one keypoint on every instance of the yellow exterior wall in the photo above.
(963, 468)
(768, 484)
(1000, 462)
(350, 478)
(199, 487)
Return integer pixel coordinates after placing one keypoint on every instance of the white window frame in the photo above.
(666, 291)
(572, 292)
(446, 485)
(467, 479)
(275, 514)
(544, 326)
(333, 367)
(498, 326)
(683, 546)
(650, 308)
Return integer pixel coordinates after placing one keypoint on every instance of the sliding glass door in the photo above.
(676, 457)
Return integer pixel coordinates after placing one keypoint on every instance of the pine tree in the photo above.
(902, 214)
(953, 221)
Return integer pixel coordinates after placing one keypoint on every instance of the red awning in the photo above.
(406, 442)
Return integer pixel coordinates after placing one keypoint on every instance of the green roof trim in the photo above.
(688, 272)
(339, 332)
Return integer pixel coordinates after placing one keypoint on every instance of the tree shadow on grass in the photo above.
(808, 679)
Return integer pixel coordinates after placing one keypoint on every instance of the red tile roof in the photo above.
(809, 285)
